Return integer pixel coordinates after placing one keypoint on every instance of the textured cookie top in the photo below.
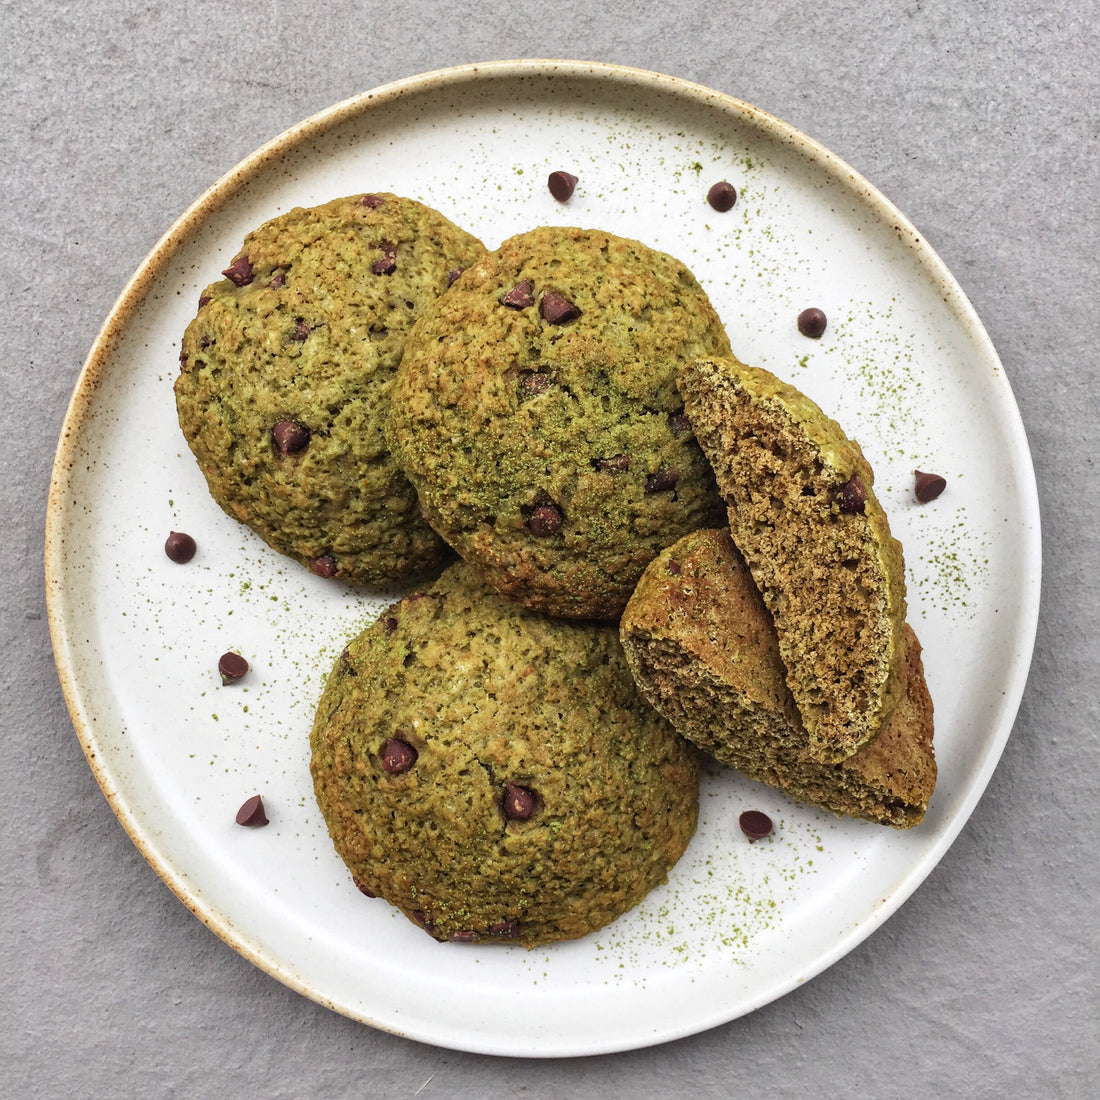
(703, 650)
(536, 412)
(494, 773)
(286, 372)
(803, 512)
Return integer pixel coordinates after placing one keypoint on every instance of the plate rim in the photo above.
(224, 189)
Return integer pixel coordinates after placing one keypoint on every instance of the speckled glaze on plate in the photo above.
(905, 366)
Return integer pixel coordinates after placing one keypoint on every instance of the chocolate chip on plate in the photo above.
(397, 756)
(812, 322)
(546, 521)
(928, 486)
(290, 437)
(755, 824)
(521, 295)
(561, 185)
(851, 497)
(231, 667)
(557, 308)
(252, 812)
(518, 802)
(722, 196)
(180, 547)
(239, 272)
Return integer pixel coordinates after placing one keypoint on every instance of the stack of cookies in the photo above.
(661, 551)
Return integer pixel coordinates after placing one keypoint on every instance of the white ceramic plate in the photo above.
(905, 366)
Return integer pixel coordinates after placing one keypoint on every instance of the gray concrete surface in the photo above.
(981, 121)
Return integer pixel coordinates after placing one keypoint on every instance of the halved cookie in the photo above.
(702, 648)
(802, 510)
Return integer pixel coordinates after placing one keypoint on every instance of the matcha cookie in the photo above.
(536, 413)
(803, 512)
(286, 376)
(493, 772)
(703, 650)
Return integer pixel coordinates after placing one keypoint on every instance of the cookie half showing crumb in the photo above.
(286, 375)
(494, 773)
(536, 412)
(802, 510)
(702, 648)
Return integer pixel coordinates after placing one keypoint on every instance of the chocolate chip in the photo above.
(812, 322)
(755, 824)
(239, 272)
(232, 666)
(557, 309)
(561, 185)
(367, 893)
(323, 566)
(679, 424)
(302, 328)
(546, 521)
(928, 486)
(663, 480)
(465, 936)
(722, 196)
(204, 300)
(278, 281)
(506, 929)
(521, 295)
(252, 813)
(386, 264)
(532, 383)
(851, 497)
(346, 667)
(616, 464)
(454, 274)
(372, 202)
(180, 547)
(674, 568)
(290, 437)
(518, 803)
(398, 756)
(389, 624)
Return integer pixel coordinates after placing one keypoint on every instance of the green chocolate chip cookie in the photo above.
(537, 415)
(493, 772)
(286, 376)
